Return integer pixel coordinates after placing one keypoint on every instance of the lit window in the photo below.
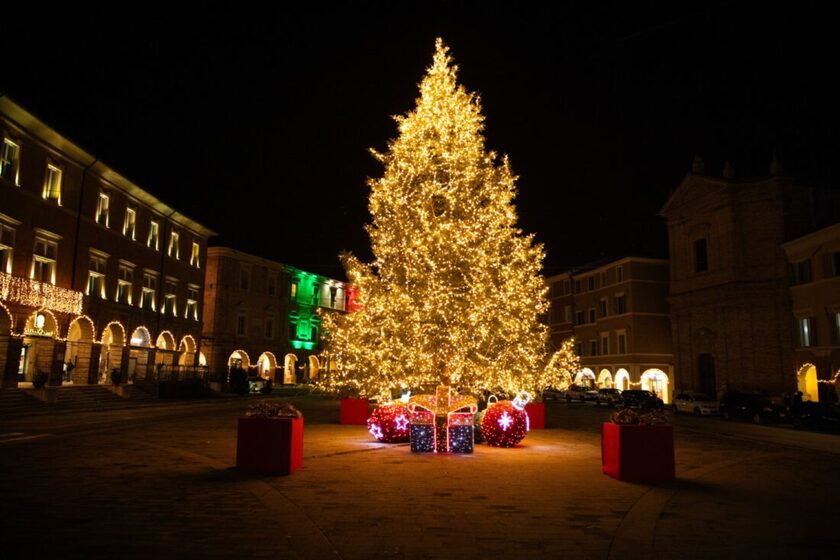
(169, 298)
(149, 293)
(194, 255)
(125, 281)
(294, 290)
(103, 206)
(192, 303)
(154, 235)
(7, 245)
(174, 249)
(52, 183)
(43, 261)
(130, 223)
(96, 276)
(807, 332)
(10, 161)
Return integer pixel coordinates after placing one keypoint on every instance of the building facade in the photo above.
(814, 265)
(730, 292)
(265, 317)
(618, 314)
(96, 274)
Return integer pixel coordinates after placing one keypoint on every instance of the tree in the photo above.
(454, 293)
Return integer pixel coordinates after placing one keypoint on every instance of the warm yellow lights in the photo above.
(39, 294)
(454, 294)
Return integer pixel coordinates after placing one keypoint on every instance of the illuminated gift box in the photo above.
(269, 445)
(637, 452)
(442, 423)
(354, 411)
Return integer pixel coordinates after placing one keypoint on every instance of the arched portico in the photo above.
(656, 380)
(605, 379)
(289, 368)
(622, 379)
(266, 365)
(80, 336)
(585, 377)
(807, 383)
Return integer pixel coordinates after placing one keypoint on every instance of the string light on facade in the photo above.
(33, 293)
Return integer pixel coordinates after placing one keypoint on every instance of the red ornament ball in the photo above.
(504, 425)
(390, 423)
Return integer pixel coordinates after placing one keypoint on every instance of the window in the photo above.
(96, 275)
(579, 349)
(170, 307)
(313, 334)
(269, 327)
(294, 290)
(10, 161)
(591, 314)
(194, 255)
(154, 235)
(130, 223)
(174, 249)
(566, 287)
(604, 278)
(333, 293)
(577, 286)
(701, 256)
(149, 293)
(567, 314)
(103, 205)
(241, 324)
(603, 307)
(192, 302)
(622, 343)
(591, 283)
(605, 345)
(244, 278)
(807, 332)
(7, 246)
(271, 284)
(52, 183)
(620, 304)
(43, 261)
(593, 347)
(619, 273)
(800, 272)
(831, 265)
(125, 280)
(579, 318)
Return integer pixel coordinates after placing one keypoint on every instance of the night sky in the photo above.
(258, 124)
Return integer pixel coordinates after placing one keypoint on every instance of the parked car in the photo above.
(645, 400)
(552, 394)
(752, 406)
(816, 416)
(610, 397)
(579, 393)
(698, 404)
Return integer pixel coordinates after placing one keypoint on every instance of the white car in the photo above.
(696, 403)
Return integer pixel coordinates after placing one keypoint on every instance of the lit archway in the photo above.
(110, 355)
(605, 379)
(585, 377)
(314, 366)
(115, 333)
(141, 338)
(42, 323)
(807, 384)
(239, 358)
(656, 381)
(165, 341)
(186, 349)
(81, 329)
(266, 365)
(40, 332)
(77, 357)
(202, 359)
(622, 379)
(289, 365)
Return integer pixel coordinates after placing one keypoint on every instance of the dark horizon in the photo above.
(269, 117)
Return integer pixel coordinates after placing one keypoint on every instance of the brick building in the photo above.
(94, 270)
(264, 316)
(815, 297)
(730, 293)
(618, 313)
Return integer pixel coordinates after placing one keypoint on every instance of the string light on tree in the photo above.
(454, 293)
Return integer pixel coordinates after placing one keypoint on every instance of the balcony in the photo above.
(33, 293)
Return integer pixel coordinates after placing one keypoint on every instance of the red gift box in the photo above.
(354, 411)
(269, 445)
(536, 415)
(637, 453)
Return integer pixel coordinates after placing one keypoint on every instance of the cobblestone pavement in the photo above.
(160, 483)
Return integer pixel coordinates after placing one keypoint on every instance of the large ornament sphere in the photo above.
(390, 423)
(504, 425)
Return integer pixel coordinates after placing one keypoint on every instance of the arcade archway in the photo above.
(807, 383)
(585, 377)
(656, 380)
(605, 380)
(266, 365)
(80, 337)
(622, 379)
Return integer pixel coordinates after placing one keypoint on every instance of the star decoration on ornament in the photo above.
(402, 422)
(376, 431)
(505, 421)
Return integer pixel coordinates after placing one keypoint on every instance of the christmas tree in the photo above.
(454, 293)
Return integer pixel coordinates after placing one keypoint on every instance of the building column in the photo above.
(151, 366)
(93, 368)
(126, 353)
(57, 368)
(10, 375)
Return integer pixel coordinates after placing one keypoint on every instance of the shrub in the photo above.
(39, 379)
